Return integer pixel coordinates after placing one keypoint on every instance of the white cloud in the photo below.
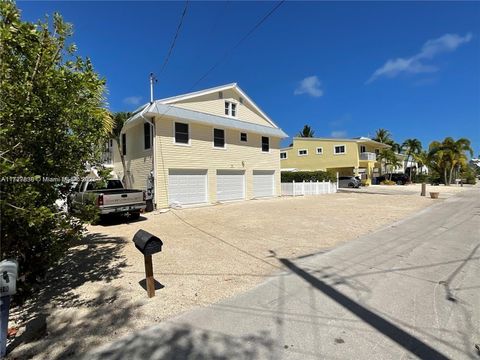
(310, 86)
(415, 64)
(338, 134)
(132, 100)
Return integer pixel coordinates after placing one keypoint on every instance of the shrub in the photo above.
(300, 176)
(387, 182)
(421, 178)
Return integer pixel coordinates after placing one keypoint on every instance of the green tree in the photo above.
(448, 156)
(119, 120)
(306, 132)
(383, 136)
(411, 147)
(53, 122)
(389, 158)
(422, 160)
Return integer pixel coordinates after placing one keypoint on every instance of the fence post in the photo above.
(303, 188)
(337, 180)
(293, 188)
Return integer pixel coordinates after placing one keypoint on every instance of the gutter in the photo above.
(154, 152)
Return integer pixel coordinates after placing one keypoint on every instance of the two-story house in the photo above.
(202, 147)
(348, 157)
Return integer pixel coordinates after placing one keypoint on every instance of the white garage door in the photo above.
(263, 183)
(230, 185)
(187, 186)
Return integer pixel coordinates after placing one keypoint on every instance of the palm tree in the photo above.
(383, 136)
(421, 158)
(119, 120)
(411, 147)
(448, 155)
(389, 158)
(306, 132)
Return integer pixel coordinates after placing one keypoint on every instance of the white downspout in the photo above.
(154, 154)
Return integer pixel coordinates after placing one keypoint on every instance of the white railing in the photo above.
(368, 156)
(308, 188)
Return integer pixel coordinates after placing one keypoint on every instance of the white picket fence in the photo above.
(308, 188)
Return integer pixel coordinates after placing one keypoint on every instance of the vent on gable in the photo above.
(240, 100)
(220, 94)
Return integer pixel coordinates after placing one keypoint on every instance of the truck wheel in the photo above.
(134, 215)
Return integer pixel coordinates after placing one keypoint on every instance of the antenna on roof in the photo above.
(153, 80)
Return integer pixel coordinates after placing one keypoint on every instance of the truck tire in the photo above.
(134, 215)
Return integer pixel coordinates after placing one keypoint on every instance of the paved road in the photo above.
(411, 290)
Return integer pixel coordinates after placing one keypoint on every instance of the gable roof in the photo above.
(161, 110)
(231, 86)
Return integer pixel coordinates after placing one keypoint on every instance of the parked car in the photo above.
(399, 179)
(109, 196)
(349, 182)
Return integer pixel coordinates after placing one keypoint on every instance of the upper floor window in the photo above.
(283, 155)
(243, 137)
(319, 150)
(377, 151)
(302, 152)
(230, 108)
(339, 149)
(219, 138)
(181, 133)
(265, 144)
(147, 136)
(124, 144)
(363, 148)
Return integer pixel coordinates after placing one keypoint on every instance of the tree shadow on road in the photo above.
(184, 342)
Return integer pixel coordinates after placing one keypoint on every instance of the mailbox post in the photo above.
(8, 287)
(148, 244)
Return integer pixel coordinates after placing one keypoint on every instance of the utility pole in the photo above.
(153, 80)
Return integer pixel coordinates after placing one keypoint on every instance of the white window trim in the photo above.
(151, 138)
(229, 102)
(224, 139)
(298, 152)
(189, 134)
(286, 155)
(319, 153)
(269, 145)
(342, 153)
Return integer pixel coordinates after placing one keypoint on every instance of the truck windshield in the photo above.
(102, 185)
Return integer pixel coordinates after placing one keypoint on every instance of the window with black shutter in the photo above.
(265, 144)
(219, 138)
(147, 136)
(181, 133)
(124, 144)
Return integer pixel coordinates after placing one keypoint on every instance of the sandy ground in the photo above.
(209, 253)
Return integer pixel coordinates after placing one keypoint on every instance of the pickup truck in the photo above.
(109, 196)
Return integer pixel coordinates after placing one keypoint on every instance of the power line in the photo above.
(226, 55)
(172, 46)
(228, 52)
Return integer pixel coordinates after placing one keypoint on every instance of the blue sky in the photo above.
(344, 68)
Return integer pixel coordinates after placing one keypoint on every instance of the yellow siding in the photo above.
(138, 160)
(212, 104)
(202, 155)
(327, 160)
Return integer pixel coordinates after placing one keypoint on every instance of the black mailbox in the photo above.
(147, 243)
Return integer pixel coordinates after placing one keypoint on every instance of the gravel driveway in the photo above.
(209, 253)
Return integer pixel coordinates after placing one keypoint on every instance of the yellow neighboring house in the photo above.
(202, 147)
(348, 157)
